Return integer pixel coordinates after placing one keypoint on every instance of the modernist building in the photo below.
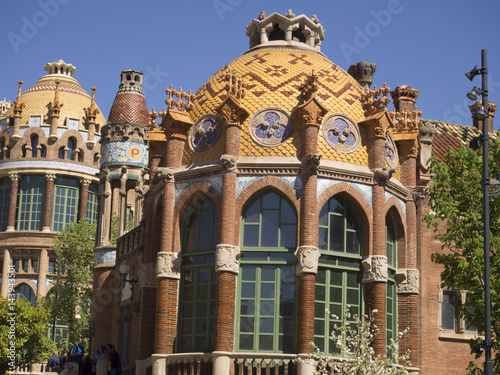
(283, 187)
(49, 161)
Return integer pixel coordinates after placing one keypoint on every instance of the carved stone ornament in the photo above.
(375, 269)
(408, 281)
(205, 133)
(125, 132)
(391, 153)
(168, 265)
(418, 192)
(341, 133)
(14, 176)
(270, 127)
(363, 73)
(426, 135)
(228, 162)
(226, 258)
(166, 174)
(147, 275)
(310, 163)
(383, 175)
(307, 260)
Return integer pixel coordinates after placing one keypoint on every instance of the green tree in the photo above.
(71, 294)
(23, 334)
(456, 203)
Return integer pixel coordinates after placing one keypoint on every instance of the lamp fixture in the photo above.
(480, 114)
(124, 270)
(472, 73)
(472, 95)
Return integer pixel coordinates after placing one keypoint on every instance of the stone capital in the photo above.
(168, 265)
(307, 260)
(14, 176)
(85, 181)
(408, 280)
(147, 277)
(226, 258)
(375, 269)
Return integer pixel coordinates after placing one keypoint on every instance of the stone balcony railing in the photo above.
(132, 241)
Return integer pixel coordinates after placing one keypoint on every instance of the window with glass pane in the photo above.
(198, 278)
(58, 328)
(24, 292)
(34, 265)
(391, 328)
(31, 199)
(448, 307)
(92, 208)
(4, 202)
(339, 278)
(65, 203)
(266, 286)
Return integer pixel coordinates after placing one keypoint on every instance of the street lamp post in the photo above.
(482, 114)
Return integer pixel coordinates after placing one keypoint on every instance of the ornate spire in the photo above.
(235, 86)
(310, 110)
(371, 101)
(179, 103)
(92, 111)
(55, 106)
(18, 105)
(153, 115)
(231, 111)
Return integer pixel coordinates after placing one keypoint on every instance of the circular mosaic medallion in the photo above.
(205, 133)
(270, 127)
(342, 133)
(391, 154)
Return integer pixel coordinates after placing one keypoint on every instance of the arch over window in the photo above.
(276, 33)
(34, 145)
(339, 278)
(71, 148)
(391, 328)
(198, 277)
(298, 36)
(24, 292)
(266, 287)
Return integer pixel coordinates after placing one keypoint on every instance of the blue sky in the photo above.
(426, 44)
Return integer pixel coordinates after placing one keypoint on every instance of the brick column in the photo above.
(14, 186)
(43, 269)
(49, 198)
(84, 198)
(309, 113)
(7, 260)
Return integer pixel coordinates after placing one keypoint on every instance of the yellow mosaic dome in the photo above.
(273, 72)
(74, 98)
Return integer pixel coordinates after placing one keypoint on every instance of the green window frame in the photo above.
(24, 292)
(267, 289)
(196, 323)
(339, 284)
(92, 204)
(391, 321)
(65, 203)
(31, 203)
(4, 202)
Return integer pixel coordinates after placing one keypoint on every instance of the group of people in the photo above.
(105, 361)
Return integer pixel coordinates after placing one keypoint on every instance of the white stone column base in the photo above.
(306, 366)
(222, 363)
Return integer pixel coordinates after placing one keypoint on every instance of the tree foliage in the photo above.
(23, 330)
(456, 202)
(71, 294)
(353, 339)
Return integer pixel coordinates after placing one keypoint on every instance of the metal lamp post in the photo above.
(482, 114)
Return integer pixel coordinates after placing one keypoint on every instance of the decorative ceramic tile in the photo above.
(215, 182)
(365, 190)
(50, 164)
(105, 256)
(128, 152)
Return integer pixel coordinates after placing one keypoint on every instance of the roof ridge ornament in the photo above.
(372, 103)
(18, 105)
(235, 86)
(179, 103)
(55, 107)
(92, 111)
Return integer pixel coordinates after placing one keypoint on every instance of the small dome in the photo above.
(129, 104)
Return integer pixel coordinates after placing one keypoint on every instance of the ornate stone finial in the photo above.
(363, 72)
(307, 260)
(55, 106)
(310, 111)
(235, 86)
(289, 14)
(18, 105)
(166, 174)
(92, 111)
(492, 108)
(408, 281)
(226, 258)
(406, 121)
(168, 265)
(310, 163)
(375, 269)
(262, 15)
(405, 92)
(228, 162)
(179, 103)
(309, 87)
(162, 114)
(371, 101)
(153, 115)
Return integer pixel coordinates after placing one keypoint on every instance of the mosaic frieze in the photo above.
(391, 154)
(270, 127)
(105, 256)
(341, 133)
(132, 153)
(205, 133)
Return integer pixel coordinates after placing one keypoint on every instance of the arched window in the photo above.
(198, 277)
(43, 151)
(62, 151)
(31, 200)
(298, 36)
(391, 328)
(4, 202)
(339, 278)
(266, 311)
(71, 148)
(24, 292)
(34, 144)
(65, 204)
(276, 33)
